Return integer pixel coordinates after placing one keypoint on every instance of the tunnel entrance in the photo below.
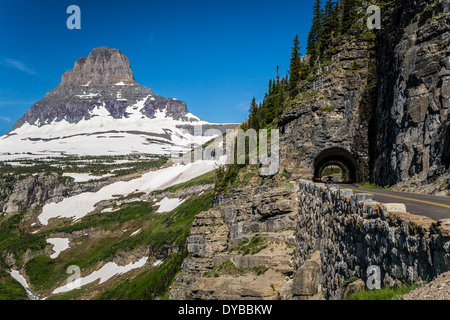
(336, 157)
(334, 171)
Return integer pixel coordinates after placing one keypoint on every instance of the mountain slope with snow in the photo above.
(98, 109)
(103, 134)
(115, 220)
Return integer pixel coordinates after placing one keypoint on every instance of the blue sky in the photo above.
(214, 55)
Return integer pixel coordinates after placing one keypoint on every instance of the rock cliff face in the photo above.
(241, 249)
(352, 233)
(380, 110)
(102, 66)
(329, 121)
(380, 106)
(412, 140)
(17, 193)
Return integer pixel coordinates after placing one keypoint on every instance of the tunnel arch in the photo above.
(336, 157)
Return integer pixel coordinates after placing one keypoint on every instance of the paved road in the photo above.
(435, 207)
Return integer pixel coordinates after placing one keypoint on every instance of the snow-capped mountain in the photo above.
(99, 109)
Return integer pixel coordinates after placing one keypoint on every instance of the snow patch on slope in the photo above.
(59, 245)
(78, 206)
(105, 273)
(88, 96)
(166, 204)
(21, 279)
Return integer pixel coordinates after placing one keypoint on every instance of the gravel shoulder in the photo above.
(438, 289)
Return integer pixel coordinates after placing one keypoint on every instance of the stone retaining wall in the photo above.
(353, 232)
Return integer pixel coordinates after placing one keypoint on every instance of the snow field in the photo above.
(166, 204)
(59, 245)
(105, 273)
(78, 206)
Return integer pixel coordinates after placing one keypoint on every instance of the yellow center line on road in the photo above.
(403, 198)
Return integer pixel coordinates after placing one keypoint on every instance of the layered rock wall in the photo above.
(412, 121)
(241, 249)
(102, 66)
(353, 232)
(28, 192)
(332, 112)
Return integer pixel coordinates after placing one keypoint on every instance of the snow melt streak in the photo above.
(106, 272)
(166, 204)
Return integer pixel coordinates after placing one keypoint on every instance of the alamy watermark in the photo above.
(374, 21)
(238, 147)
(74, 281)
(74, 21)
(373, 278)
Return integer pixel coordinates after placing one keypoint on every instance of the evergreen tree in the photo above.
(284, 84)
(349, 15)
(304, 70)
(254, 115)
(278, 75)
(263, 110)
(294, 68)
(314, 33)
(270, 107)
(260, 115)
(328, 26)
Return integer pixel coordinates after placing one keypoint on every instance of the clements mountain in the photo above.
(99, 109)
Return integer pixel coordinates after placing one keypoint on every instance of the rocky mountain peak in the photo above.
(98, 108)
(103, 66)
(103, 78)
